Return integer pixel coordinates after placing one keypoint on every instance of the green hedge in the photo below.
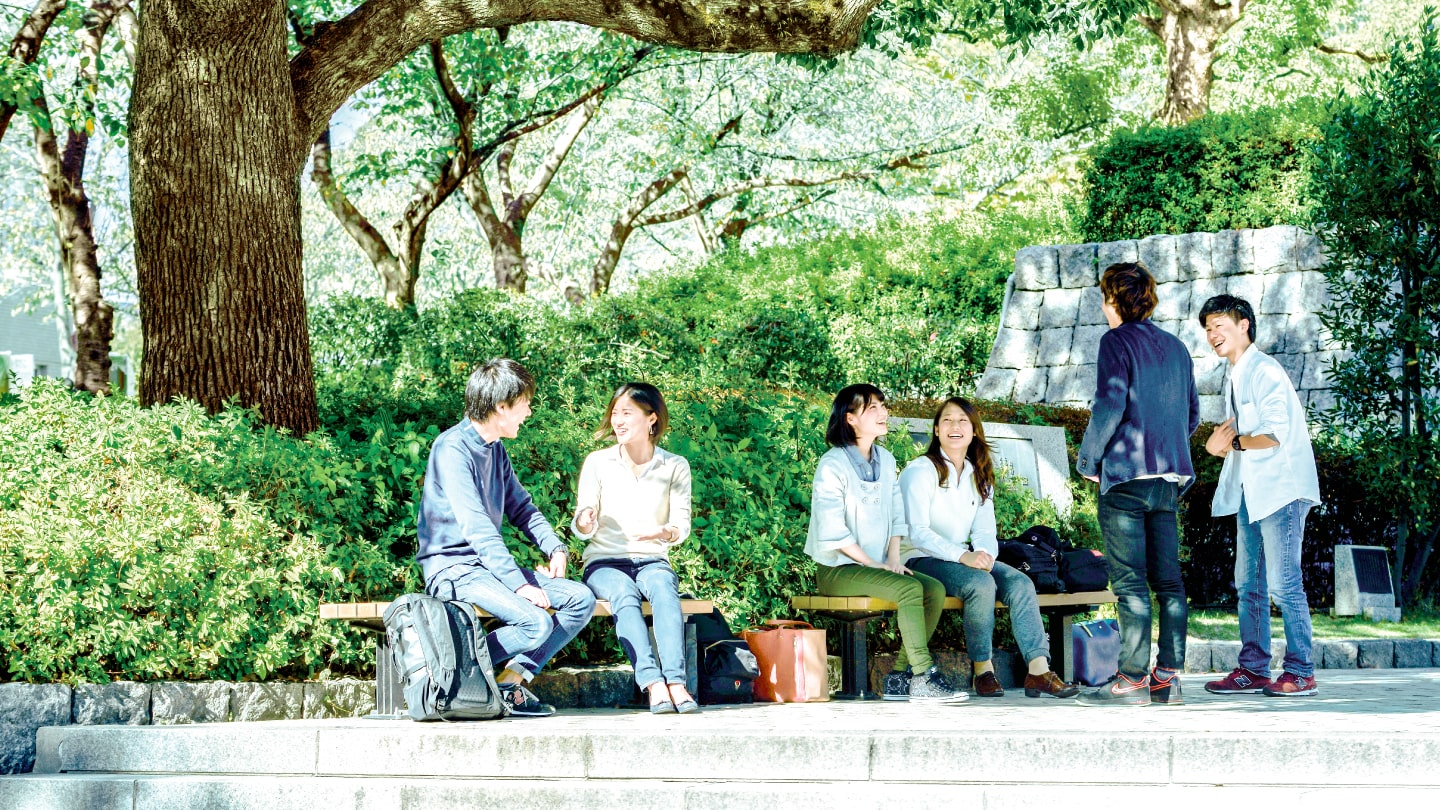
(1236, 170)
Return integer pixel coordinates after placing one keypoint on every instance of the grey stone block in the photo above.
(1319, 401)
(1159, 254)
(1072, 384)
(1193, 256)
(1303, 333)
(1309, 251)
(239, 748)
(1340, 654)
(35, 704)
(606, 687)
(1212, 408)
(122, 703)
(996, 383)
(1055, 346)
(56, 792)
(182, 703)
(1375, 654)
(1202, 290)
(1317, 367)
(1108, 253)
(347, 697)
(1359, 757)
(1282, 295)
(1015, 349)
(1210, 374)
(1085, 346)
(1174, 302)
(1077, 266)
(1063, 757)
(1197, 656)
(1022, 310)
(17, 747)
(234, 792)
(1232, 253)
(1435, 653)
(267, 701)
(1294, 365)
(1272, 341)
(1224, 655)
(1037, 268)
(1061, 308)
(1275, 249)
(1412, 653)
(1031, 384)
(1190, 334)
(556, 687)
(1090, 313)
(1277, 656)
(1249, 287)
(1314, 291)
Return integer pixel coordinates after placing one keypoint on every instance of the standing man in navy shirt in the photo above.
(469, 485)
(1137, 447)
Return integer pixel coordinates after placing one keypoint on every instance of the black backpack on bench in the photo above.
(439, 651)
(1037, 554)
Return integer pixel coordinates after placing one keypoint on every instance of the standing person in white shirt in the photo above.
(1269, 483)
(950, 508)
(632, 506)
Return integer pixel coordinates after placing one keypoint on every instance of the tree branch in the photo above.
(545, 172)
(25, 47)
(356, 50)
(1367, 58)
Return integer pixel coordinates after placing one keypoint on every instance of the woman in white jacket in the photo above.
(949, 498)
(857, 520)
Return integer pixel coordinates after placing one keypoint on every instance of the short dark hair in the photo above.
(1233, 306)
(1130, 289)
(501, 381)
(648, 398)
(851, 399)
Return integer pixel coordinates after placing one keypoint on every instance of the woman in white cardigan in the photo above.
(632, 506)
(950, 508)
(857, 520)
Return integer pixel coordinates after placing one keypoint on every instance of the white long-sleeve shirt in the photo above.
(1259, 396)
(847, 510)
(948, 521)
(628, 504)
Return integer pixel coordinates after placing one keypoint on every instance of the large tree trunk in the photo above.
(220, 124)
(215, 194)
(1189, 30)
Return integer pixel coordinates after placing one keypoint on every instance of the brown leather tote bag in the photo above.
(793, 665)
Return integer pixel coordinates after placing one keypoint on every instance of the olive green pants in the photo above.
(919, 600)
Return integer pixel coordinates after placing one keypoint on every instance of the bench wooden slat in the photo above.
(370, 613)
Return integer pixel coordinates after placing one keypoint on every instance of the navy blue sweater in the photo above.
(469, 484)
(1145, 407)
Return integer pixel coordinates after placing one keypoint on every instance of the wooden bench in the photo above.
(389, 694)
(855, 612)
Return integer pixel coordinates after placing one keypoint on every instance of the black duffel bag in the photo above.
(1084, 570)
(727, 667)
(1036, 553)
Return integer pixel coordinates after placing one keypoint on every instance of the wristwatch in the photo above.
(1235, 443)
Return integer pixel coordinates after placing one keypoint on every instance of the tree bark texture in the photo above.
(221, 125)
(63, 173)
(25, 46)
(1189, 30)
(215, 195)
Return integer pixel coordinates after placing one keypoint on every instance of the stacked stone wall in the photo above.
(1051, 322)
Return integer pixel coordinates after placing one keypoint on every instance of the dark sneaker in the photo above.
(1119, 692)
(1292, 685)
(897, 685)
(932, 687)
(1049, 685)
(521, 702)
(1165, 690)
(1240, 681)
(987, 685)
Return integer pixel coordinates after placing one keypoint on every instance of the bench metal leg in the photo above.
(854, 661)
(1062, 648)
(389, 691)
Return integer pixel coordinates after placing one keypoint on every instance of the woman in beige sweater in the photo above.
(632, 506)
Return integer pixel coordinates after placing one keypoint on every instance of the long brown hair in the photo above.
(978, 454)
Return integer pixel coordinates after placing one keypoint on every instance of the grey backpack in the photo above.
(439, 650)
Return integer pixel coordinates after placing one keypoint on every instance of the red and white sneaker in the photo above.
(1240, 681)
(1292, 685)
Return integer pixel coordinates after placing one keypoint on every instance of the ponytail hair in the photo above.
(978, 454)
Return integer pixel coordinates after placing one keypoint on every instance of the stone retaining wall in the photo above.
(1051, 322)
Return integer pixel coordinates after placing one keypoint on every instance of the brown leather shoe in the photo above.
(1049, 685)
(987, 685)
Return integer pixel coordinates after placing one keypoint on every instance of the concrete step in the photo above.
(112, 792)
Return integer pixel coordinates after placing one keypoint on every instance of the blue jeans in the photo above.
(1142, 551)
(979, 590)
(528, 636)
(625, 583)
(1267, 557)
